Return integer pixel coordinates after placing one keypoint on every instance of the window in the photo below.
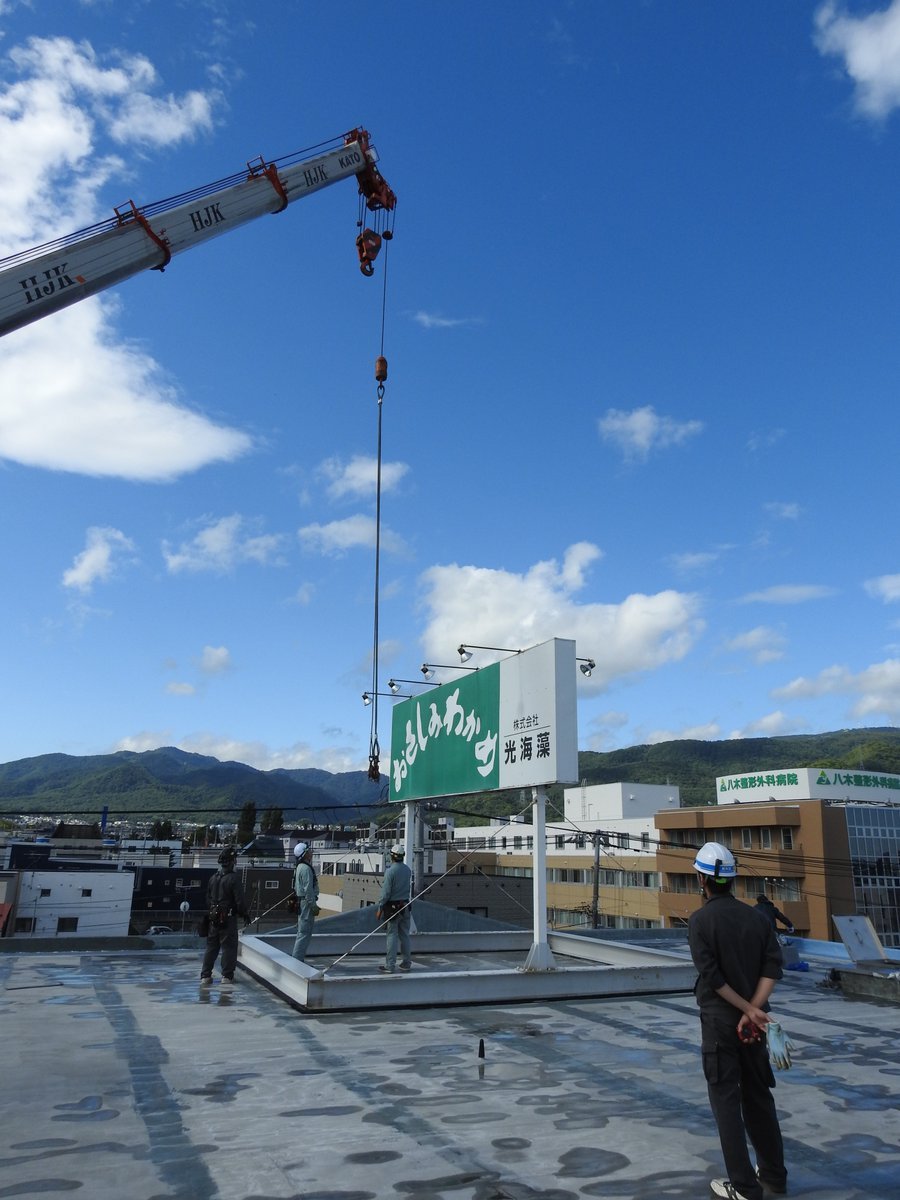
(517, 843)
(765, 839)
(746, 839)
(271, 883)
(87, 891)
(560, 842)
(24, 925)
(645, 841)
(67, 925)
(45, 891)
(786, 889)
(787, 838)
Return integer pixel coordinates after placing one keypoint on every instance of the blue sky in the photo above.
(641, 324)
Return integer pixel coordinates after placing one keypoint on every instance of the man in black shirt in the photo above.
(738, 961)
(225, 901)
(772, 914)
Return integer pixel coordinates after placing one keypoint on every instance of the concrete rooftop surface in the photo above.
(122, 1078)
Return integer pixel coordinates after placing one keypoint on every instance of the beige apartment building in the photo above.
(606, 841)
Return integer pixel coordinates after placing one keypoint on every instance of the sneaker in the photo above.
(726, 1190)
(386, 970)
(205, 980)
(777, 1189)
(406, 966)
(228, 979)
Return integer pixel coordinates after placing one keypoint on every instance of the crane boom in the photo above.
(37, 282)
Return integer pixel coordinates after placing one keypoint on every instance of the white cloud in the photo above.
(877, 688)
(764, 441)
(693, 560)
(337, 537)
(160, 122)
(95, 562)
(180, 689)
(224, 545)
(783, 511)
(72, 396)
(762, 644)
(71, 399)
(642, 431)
(603, 731)
(435, 321)
(869, 47)
(215, 660)
(885, 587)
(303, 594)
(700, 733)
(359, 476)
(255, 754)
(774, 724)
(499, 608)
(789, 593)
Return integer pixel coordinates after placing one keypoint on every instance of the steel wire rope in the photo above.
(374, 747)
(365, 937)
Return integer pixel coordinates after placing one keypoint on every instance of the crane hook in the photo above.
(368, 243)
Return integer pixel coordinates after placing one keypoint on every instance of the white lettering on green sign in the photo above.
(451, 734)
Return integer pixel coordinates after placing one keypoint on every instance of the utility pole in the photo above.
(595, 898)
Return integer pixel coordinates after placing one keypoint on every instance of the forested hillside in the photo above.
(172, 782)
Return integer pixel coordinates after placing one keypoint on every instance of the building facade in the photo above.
(820, 842)
(601, 858)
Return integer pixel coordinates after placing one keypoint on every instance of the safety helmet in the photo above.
(300, 849)
(398, 851)
(717, 860)
(229, 854)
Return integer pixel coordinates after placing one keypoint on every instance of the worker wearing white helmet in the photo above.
(395, 908)
(306, 889)
(738, 962)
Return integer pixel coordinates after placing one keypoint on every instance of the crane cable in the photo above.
(380, 378)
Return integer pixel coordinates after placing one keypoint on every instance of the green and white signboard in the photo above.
(512, 724)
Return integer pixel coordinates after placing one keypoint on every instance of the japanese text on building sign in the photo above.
(738, 783)
(455, 722)
(857, 779)
(527, 746)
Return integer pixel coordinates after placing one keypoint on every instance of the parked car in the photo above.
(155, 930)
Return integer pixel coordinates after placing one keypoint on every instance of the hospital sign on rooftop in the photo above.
(809, 783)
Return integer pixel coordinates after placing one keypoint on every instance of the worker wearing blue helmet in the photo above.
(738, 963)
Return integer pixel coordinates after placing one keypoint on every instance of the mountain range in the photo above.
(174, 783)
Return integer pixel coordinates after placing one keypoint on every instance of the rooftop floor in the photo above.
(122, 1078)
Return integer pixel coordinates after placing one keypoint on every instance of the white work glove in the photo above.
(780, 1046)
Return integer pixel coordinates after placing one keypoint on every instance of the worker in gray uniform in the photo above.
(306, 889)
(395, 907)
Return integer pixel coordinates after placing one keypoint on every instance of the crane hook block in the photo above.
(381, 369)
(367, 246)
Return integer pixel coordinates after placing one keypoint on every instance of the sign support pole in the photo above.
(540, 956)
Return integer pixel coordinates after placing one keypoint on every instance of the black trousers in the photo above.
(739, 1080)
(225, 939)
